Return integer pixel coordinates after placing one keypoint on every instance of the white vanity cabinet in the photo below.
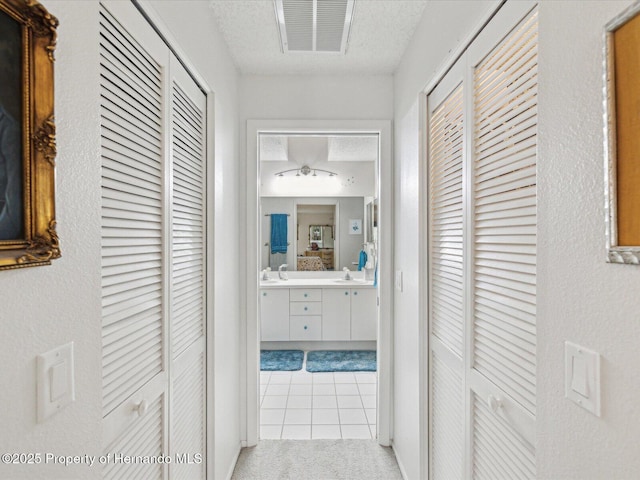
(312, 314)
(336, 314)
(274, 314)
(364, 314)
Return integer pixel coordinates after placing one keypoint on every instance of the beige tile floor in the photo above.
(307, 406)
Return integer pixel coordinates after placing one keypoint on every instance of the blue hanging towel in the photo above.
(278, 233)
(375, 276)
(362, 261)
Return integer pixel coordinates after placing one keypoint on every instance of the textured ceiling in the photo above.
(380, 33)
(301, 149)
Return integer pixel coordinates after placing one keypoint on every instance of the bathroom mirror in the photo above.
(321, 181)
(371, 220)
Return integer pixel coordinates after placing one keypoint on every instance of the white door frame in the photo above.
(250, 362)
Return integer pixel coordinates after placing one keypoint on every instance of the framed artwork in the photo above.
(315, 233)
(27, 135)
(622, 139)
(355, 226)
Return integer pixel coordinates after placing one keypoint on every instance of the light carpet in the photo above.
(317, 460)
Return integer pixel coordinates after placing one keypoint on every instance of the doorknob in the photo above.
(142, 408)
(494, 403)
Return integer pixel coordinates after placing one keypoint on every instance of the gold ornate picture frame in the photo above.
(27, 135)
(622, 136)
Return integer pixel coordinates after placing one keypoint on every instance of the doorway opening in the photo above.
(326, 299)
(317, 234)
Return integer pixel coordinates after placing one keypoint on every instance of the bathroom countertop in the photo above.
(316, 283)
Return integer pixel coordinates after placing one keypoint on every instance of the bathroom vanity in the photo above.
(318, 309)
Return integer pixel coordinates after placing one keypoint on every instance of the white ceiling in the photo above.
(380, 33)
(306, 150)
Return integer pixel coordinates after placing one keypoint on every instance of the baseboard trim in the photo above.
(403, 472)
(232, 467)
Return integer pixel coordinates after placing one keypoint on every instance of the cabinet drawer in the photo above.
(305, 327)
(305, 308)
(306, 295)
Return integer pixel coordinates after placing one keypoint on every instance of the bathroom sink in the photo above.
(348, 282)
(271, 280)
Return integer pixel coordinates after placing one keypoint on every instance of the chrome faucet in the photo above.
(347, 273)
(282, 274)
(265, 273)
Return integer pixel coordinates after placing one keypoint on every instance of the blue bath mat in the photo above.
(284, 360)
(341, 361)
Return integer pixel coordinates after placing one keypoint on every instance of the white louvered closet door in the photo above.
(502, 365)
(135, 394)
(188, 242)
(482, 221)
(153, 119)
(446, 142)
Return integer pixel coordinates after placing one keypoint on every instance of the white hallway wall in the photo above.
(581, 298)
(48, 306)
(45, 307)
(444, 26)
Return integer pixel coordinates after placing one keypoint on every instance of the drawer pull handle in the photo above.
(264, 294)
(355, 293)
(305, 295)
(305, 327)
(305, 309)
(346, 293)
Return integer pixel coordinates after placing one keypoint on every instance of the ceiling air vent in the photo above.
(314, 25)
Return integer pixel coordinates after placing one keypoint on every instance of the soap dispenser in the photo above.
(368, 271)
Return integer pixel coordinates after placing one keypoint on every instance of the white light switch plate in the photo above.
(56, 387)
(399, 280)
(582, 377)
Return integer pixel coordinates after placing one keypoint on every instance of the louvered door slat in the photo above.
(143, 439)
(523, 111)
(445, 168)
(188, 270)
(518, 81)
(504, 165)
(188, 403)
(502, 352)
(188, 213)
(447, 429)
(499, 452)
(138, 59)
(117, 138)
(127, 154)
(115, 115)
(446, 287)
(506, 53)
(505, 144)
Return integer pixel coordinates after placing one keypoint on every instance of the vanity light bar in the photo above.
(306, 170)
